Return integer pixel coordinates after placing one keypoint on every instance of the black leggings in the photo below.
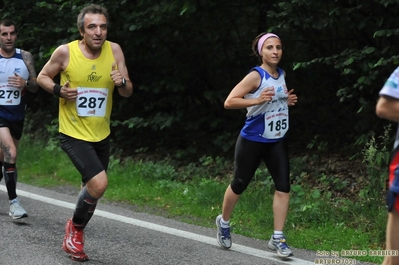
(248, 155)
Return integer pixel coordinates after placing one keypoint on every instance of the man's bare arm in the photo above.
(388, 108)
(31, 83)
(58, 61)
(126, 90)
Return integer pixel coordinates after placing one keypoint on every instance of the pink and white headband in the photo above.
(263, 39)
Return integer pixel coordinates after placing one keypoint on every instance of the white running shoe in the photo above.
(279, 245)
(223, 234)
(16, 210)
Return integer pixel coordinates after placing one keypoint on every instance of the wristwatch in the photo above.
(123, 82)
(27, 83)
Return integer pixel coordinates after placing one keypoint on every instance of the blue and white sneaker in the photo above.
(223, 234)
(279, 245)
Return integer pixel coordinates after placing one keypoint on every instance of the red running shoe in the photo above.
(74, 241)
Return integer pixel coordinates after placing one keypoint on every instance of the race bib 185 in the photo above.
(276, 124)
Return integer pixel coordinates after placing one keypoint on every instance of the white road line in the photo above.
(166, 230)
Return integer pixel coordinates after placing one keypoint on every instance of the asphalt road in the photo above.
(119, 236)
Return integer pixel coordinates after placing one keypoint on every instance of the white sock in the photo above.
(224, 224)
(277, 234)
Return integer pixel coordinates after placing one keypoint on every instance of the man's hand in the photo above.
(116, 76)
(16, 81)
(69, 94)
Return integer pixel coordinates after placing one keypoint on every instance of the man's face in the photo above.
(95, 30)
(8, 36)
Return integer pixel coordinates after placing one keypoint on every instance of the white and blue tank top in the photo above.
(12, 99)
(267, 122)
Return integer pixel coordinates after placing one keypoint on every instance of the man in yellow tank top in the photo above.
(90, 69)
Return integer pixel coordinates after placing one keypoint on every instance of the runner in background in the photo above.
(17, 76)
(388, 108)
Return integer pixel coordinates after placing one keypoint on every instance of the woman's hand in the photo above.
(266, 95)
(292, 98)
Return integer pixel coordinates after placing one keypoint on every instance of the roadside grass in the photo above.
(317, 220)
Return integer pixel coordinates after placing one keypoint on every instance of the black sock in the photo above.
(89, 214)
(84, 208)
(11, 182)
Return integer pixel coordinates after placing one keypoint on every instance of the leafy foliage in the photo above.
(185, 56)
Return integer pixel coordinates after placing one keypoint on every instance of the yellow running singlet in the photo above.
(87, 118)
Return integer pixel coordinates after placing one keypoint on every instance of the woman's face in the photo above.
(272, 50)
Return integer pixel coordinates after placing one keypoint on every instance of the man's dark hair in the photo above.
(91, 9)
(9, 22)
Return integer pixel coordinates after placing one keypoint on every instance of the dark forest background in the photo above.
(184, 57)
